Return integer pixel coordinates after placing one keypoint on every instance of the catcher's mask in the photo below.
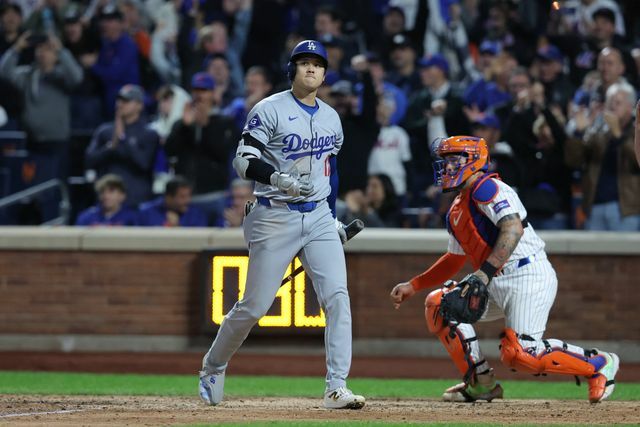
(457, 158)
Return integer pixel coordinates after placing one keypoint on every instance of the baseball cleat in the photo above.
(485, 387)
(601, 385)
(342, 398)
(211, 388)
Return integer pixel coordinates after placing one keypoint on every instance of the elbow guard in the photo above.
(241, 164)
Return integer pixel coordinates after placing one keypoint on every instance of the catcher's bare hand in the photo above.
(400, 293)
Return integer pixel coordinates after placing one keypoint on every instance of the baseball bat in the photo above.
(353, 228)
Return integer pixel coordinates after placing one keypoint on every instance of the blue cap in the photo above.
(436, 60)
(550, 53)
(490, 47)
(489, 121)
(310, 47)
(202, 80)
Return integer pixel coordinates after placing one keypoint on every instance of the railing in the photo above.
(65, 205)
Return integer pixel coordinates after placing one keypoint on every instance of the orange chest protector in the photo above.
(475, 233)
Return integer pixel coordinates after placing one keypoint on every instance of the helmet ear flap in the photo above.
(291, 70)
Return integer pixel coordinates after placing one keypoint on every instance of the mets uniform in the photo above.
(299, 141)
(488, 227)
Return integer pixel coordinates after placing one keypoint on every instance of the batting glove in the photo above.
(341, 231)
(290, 185)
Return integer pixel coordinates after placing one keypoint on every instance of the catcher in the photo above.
(513, 280)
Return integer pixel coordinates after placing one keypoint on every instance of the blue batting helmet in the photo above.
(306, 47)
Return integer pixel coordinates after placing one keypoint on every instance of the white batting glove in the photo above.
(290, 185)
(341, 231)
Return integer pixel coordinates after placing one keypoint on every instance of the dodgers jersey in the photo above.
(295, 142)
(505, 202)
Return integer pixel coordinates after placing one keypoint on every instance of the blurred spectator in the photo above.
(164, 57)
(637, 136)
(394, 22)
(447, 35)
(10, 23)
(213, 39)
(584, 49)
(558, 89)
(46, 85)
(328, 26)
(136, 24)
(202, 140)
(117, 62)
(356, 206)
(110, 209)
(503, 25)
(46, 18)
(383, 201)
(174, 209)
(611, 179)
(385, 90)
(578, 15)
(337, 59)
(86, 99)
(127, 146)
(257, 86)
(403, 73)
(360, 127)
(494, 69)
(241, 192)
(391, 154)
(434, 111)
(224, 91)
(537, 137)
(501, 157)
(171, 103)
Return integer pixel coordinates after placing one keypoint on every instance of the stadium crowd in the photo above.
(145, 101)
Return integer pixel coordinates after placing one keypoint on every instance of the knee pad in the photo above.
(453, 340)
(435, 321)
(515, 357)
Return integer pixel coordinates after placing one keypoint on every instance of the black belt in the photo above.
(303, 207)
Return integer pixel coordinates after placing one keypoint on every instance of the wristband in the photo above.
(488, 269)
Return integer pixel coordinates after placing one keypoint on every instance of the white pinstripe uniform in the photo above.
(524, 291)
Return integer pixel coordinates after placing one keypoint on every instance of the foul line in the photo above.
(27, 414)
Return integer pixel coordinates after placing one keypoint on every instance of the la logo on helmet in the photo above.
(311, 46)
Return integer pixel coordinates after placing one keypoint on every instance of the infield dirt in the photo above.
(26, 410)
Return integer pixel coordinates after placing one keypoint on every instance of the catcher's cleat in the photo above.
(342, 398)
(601, 385)
(485, 387)
(211, 388)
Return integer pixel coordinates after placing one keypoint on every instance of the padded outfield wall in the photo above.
(141, 289)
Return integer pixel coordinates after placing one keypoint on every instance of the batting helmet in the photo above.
(471, 155)
(306, 47)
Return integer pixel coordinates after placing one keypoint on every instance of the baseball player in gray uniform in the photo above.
(288, 147)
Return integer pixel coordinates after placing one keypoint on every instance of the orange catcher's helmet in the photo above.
(459, 157)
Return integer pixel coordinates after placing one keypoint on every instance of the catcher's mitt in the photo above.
(467, 302)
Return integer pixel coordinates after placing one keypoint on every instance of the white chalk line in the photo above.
(28, 414)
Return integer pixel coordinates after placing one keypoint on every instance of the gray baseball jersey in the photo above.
(295, 142)
(277, 229)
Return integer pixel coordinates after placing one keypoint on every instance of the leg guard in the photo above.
(515, 357)
(453, 339)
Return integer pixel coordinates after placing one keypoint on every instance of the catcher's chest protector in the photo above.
(464, 221)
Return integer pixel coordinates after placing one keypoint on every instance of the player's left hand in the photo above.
(341, 231)
(467, 302)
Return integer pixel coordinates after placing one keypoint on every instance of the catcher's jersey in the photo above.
(296, 142)
(504, 202)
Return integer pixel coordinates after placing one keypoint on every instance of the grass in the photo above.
(262, 386)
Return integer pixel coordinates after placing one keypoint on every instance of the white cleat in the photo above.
(342, 398)
(211, 388)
